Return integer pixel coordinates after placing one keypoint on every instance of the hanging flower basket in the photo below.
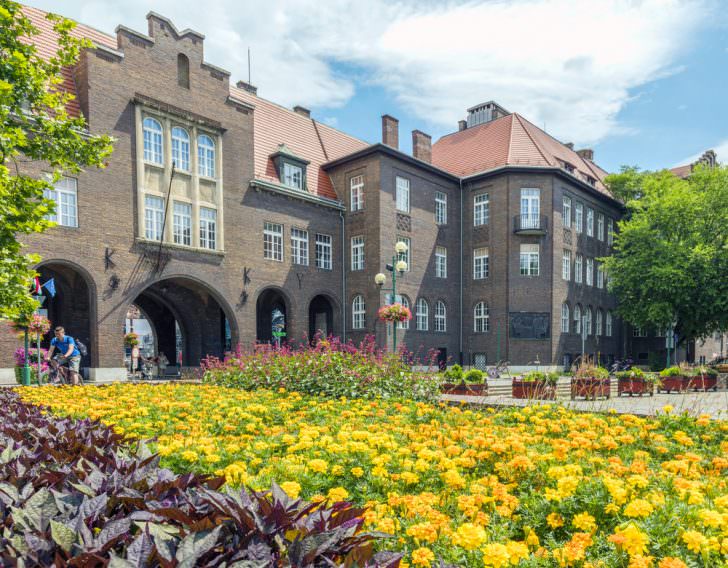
(394, 313)
(131, 339)
(36, 324)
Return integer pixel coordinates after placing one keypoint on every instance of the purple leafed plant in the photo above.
(75, 493)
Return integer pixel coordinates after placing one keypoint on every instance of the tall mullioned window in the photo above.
(579, 218)
(403, 194)
(205, 156)
(182, 221)
(600, 226)
(589, 222)
(273, 241)
(588, 320)
(292, 176)
(481, 209)
(566, 212)
(565, 318)
(299, 246)
(406, 254)
(422, 315)
(208, 228)
(608, 325)
(600, 276)
(481, 263)
(357, 253)
(440, 262)
(598, 326)
(406, 303)
(481, 318)
(610, 232)
(323, 252)
(440, 316)
(357, 193)
(153, 217)
(358, 312)
(577, 319)
(181, 149)
(578, 269)
(64, 194)
(153, 152)
(529, 260)
(589, 272)
(440, 208)
(566, 265)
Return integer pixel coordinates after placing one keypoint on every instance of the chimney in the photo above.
(390, 131)
(303, 111)
(586, 153)
(422, 146)
(247, 87)
(462, 124)
(569, 145)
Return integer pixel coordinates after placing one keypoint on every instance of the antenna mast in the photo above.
(249, 83)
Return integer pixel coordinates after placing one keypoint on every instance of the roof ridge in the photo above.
(77, 22)
(475, 127)
(510, 141)
(536, 144)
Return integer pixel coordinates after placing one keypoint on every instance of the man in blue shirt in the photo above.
(68, 351)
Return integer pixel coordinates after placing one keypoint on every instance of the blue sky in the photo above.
(643, 82)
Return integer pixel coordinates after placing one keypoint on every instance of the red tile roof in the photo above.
(509, 141)
(305, 137)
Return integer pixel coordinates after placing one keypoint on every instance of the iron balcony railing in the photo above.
(528, 222)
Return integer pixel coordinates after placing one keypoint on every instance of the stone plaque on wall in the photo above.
(529, 325)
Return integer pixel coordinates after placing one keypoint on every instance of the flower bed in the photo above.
(74, 493)
(635, 382)
(535, 385)
(703, 379)
(541, 485)
(471, 383)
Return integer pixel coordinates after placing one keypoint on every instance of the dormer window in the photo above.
(591, 181)
(290, 167)
(568, 167)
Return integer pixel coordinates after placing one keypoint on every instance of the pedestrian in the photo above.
(135, 359)
(162, 365)
(68, 352)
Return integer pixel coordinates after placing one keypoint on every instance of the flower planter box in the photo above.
(590, 388)
(532, 390)
(676, 383)
(635, 387)
(473, 389)
(703, 383)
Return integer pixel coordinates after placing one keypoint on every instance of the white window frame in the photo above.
(406, 255)
(299, 246)
(589, 222)
(65, 195)
(481, 263)
(600, 226)
(182, 223)
(589, 272)
(405, 324)
(292, 175)
(181, 149)
(440, 320)
(566, 212)
(205, 155)
(600, 275)
(565, 317)
(357, 253)
(402, 196)
(578, 217)
(530, 208)
(598, 323)
(208, 228)
(610, 231)
(324, 253)
(356, 187)
(481, 318)
(529, 261)
(153, 217)
(273, 241)
(422, 315)
(440, 262)
(638, 332)
(481, 209)
(588, 317)
(358, 312)
(577, 319)
(579, 269)
(608, 324)
(440, 208)
(153, 141)
(566, 265)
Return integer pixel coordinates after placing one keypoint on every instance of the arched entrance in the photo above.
(187, 319)
(320, 317)
(73, 306)
(271, 316)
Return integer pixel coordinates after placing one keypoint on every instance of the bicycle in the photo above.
(59, 373)
(500, 368)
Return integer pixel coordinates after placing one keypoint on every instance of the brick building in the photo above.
(222, 216)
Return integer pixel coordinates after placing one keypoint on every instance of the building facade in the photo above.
(225, 218)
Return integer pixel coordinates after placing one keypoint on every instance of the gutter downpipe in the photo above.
(462, 198)
(343, 276)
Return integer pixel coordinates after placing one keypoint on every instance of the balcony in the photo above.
(528, 224)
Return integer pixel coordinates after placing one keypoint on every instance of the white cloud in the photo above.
(720, 149)
(568, 63)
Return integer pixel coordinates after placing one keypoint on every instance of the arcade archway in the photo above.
(320, 317)
(271, 316)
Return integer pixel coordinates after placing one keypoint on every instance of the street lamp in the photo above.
(394, 267)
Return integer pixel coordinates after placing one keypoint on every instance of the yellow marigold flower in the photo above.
(425, 532)
(694, 541)
(337, 494)
(517, 551)
(584, 522)
(496, 555)
(711, 518)
(291, 488)
(422, 557)
(630, 539)
(470, 536)
(668, 408)
(409, 478)
(671, 562)
(555, 520)
(638, 508)
(453, 479)
(640, 562)
(357, 471)
(318, 466)
(189, 455)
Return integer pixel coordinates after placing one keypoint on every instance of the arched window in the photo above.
(153, 141)
(598, 327)
(588, 317)
(181, 149)
(183, 71)
(406, 304)
(481, 317)
(358, 312)
(440, 316)
(608, 330)
(565, 321)
(205, 156)
(422, 315)
(577, 319)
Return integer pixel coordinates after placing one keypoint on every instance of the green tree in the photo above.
(670, 261)
(34, 127)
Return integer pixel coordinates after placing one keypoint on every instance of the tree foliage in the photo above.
(34, 127)
(671, 252)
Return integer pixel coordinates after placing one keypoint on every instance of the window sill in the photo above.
(154, 165)
(206, 178)
(174, 246)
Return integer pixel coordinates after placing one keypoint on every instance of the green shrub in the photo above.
(633, 373)
(474, 376)
(703, 372)
(541, 377)
(454, 374)
(674, 371)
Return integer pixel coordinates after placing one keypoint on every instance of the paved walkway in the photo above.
(713, 403)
